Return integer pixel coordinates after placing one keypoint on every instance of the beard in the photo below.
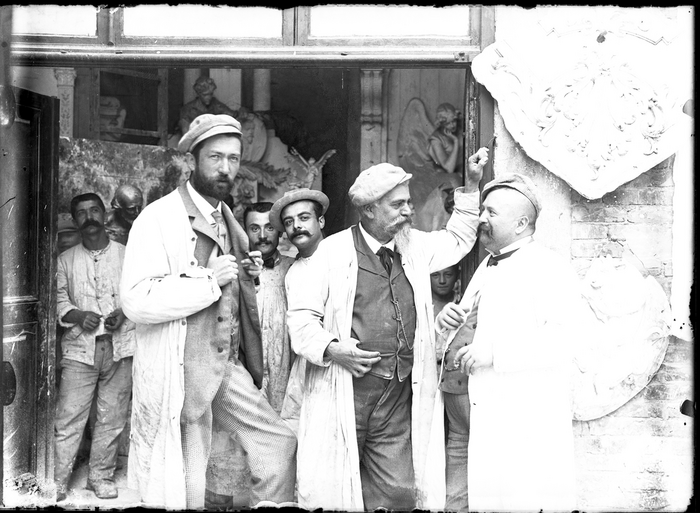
(218, 188)
(402, 238)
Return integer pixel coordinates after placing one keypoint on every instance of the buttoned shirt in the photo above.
(89, 281)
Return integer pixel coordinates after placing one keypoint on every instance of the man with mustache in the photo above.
(228, 477)
(300, 214)
(371, 429)
(199, 357)
(97, 348)
(505, 374)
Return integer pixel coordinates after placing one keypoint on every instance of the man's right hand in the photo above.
(225, 269)
(346, 354)
(89, 320)
(450, 317)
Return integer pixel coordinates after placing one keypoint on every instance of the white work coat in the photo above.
(321, 295)
(521, 454)
(161, 286)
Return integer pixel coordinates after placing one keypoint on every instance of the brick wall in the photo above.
(639, 215)
(639, 457)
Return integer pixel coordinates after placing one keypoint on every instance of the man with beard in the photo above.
(506, 367)
(371, 426)
(228, 477)
(198, 357)
(126, 206)
(97, 348)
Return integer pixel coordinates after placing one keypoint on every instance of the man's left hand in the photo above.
(472, 357)
(475, 169)
(114, 320)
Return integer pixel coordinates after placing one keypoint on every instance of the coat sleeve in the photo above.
(306, 285)
(63, 300)
(154, 287)
(448, 246)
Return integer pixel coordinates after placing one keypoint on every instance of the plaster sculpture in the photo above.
(433, 153)
(625, 334)
(590, 93)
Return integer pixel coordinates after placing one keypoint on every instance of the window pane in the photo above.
(378, 21)
(54, 19)
(202, 21)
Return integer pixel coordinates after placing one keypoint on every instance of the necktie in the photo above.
(387, 257)
(494, 259)
(221, 230)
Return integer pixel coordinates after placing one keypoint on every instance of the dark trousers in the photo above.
(383, 422)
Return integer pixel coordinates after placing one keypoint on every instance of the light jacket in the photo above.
(161, 286)
(321, 296)
(521, 454)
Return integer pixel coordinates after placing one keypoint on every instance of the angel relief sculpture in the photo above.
(305, 170)
(434, 154)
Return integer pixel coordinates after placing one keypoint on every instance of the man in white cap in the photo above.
(505, 369)
(371, 429)
(199, 354)
(299, 213)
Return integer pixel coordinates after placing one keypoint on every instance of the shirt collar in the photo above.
(373, 243)
(515, 245)
(203, 205)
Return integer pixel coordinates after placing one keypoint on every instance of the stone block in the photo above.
(589, 231)
(650, 214)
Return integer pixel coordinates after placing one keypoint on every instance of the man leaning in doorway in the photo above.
(198, 355)
(97, 348)
(364, 305)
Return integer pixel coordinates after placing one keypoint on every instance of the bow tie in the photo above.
(497, 258)
(269, 262)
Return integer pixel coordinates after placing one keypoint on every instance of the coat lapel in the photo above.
(199, 224)
(365, 258)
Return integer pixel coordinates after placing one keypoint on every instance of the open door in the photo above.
(28, 188)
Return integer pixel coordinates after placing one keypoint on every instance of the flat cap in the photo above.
(292, 197)
(375, 182)
(205, 126)
(521, 183)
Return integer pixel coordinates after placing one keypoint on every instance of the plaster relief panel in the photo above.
(627, 327)
(595, 94)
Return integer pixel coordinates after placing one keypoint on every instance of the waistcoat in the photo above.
(375, 315)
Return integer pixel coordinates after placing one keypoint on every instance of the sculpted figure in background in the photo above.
(205, 103)
(126, 206)
(306, 171)
(434, 154)
(445, 144)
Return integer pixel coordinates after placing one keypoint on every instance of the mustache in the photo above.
(300, 232)
(260, 242)
(90, 222)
